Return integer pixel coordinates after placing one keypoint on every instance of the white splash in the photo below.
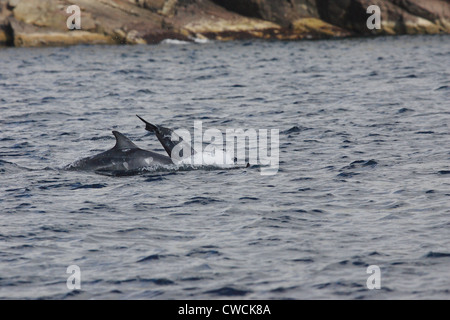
(148, 161)
(218, 158)
(175, 41)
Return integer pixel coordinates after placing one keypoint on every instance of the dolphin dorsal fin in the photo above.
(123, 142)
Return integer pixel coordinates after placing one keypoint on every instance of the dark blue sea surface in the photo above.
(363, 179)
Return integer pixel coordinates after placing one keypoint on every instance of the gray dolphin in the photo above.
(169, 139)
(124, 157)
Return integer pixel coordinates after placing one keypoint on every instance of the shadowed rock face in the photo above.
(397, 16)
(43, 22)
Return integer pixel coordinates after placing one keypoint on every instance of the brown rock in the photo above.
(43, 22)
(437, 12)
(317, 27)
(282, 12)
(204, 18)
(26, 35)
(138, 24)
(297, 18)
(43, 13)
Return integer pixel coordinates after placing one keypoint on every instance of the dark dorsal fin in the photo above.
(123, 142)
(165, 136)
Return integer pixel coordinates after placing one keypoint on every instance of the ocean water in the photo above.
(363, 178)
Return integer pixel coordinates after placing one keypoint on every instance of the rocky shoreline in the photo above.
(33, 23)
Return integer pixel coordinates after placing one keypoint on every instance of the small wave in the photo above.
(358, 165)
(361, 164)
(157, 281)
(248, 198)
(432, 254)
(204, 77)
(6, 167)
(108, 137)
(54, 229)
(404, 110)
(145, 91)
(154, 178)
(295, 129)
(47, 99)
(228, 291)
(150, 258)
(347, 174)
(204, 252)
(132, 230)
(79, 185)
(128, 71)
(409, 76)
(154, 257)
(201, 200)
